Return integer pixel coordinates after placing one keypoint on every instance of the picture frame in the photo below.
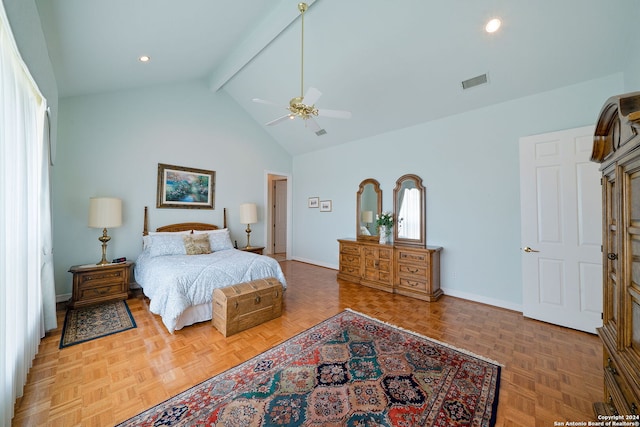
(325, 206)
(185, 188)
(313, 202)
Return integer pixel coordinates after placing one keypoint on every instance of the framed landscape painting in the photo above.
(186, 188)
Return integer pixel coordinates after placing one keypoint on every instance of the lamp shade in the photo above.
(367, 216)
(105, 212)
(248, 213)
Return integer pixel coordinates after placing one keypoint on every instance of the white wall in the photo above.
(111, 144)
(469, 165)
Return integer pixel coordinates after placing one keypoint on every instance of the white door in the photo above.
(280, 217)
(561, 229)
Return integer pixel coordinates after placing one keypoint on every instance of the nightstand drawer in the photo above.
(100, 278)
(99, 292)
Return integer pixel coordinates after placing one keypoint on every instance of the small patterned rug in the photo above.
(88, 323)
(350, 370)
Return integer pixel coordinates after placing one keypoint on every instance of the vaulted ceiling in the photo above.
(393, 64)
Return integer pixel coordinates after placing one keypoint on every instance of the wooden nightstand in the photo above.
(255, 249)
(93, 284)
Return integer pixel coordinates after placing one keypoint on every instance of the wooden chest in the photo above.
(245, 305)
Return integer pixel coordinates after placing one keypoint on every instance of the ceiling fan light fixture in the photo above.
(303, 106)
(493, 25)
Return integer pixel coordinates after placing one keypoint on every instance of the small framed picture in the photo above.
(313, 202)
(325, 206)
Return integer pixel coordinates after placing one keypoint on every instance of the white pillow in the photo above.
(219, 230)
(168, 233)
(220, 240)
(165, 244)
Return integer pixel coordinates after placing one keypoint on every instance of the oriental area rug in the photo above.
(88, 323)
(350, 370)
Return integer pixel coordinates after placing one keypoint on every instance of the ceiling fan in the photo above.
(303, 106)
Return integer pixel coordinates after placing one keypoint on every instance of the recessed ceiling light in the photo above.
(493, 25)
(144, 58)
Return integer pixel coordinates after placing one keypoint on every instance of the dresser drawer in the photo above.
(350, 260)
(619, 393)
(349, 249)
(413, 271)
(417, 284)
(409, 256)
(351, 270)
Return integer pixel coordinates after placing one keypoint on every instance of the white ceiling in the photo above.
(393, 64)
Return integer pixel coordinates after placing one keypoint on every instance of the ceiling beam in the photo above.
(266, 32)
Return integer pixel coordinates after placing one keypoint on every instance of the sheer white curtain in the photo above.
(409, 225)
(27, 294)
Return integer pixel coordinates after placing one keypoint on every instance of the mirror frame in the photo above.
(376, 188)
(422, 240)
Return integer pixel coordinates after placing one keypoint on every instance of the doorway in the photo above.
(278, 213)
(561, 223)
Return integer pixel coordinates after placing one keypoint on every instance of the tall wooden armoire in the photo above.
(617, 147)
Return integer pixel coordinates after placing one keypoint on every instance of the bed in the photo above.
(178, 274)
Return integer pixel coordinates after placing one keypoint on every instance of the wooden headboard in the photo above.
(182, 226)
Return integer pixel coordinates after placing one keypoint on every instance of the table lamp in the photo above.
(367, 217)
(105, 212)
(248, 215)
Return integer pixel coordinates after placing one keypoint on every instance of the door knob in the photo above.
(528, 249)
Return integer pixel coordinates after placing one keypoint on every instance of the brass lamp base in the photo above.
(248, 230)
(104, 239)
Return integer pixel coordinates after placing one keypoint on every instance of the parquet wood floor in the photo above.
(551, 374)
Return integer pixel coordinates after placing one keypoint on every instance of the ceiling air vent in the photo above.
(474, 81)
(321, 132)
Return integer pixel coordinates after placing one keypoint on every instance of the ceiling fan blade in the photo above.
(263, 101)
(334, 114)
(312, 124)
(278, 120)
(312, 96)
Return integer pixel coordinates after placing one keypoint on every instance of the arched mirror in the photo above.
(368, 205)
(409, 207)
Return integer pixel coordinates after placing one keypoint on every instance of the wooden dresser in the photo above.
(617, 147)
(409, 271)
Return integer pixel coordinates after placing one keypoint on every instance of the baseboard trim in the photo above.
(451, 292)
(314, 262)
(482, 299)
(63, 297)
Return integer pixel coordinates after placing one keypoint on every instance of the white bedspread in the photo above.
(174, 283)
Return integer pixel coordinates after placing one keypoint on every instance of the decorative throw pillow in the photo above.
(197, 244)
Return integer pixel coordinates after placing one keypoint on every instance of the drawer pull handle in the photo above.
(236, 304)
(610, 367)
(634, 409)
(258, 299)
(612, 256)
(612, 407)
(413, 271)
